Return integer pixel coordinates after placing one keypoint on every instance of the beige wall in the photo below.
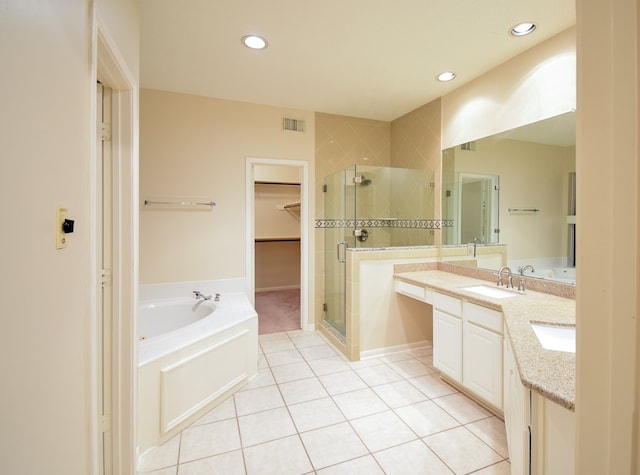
(277, 265)
(197, 146)
(271, 219)
(46, 294)
(539, 83)
(416, 144)
(342, 142)
(415, 138)
(608, 248)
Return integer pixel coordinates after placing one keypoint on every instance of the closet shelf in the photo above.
(277, 239)
(288, 206)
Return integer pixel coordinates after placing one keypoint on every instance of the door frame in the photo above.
(110, 68)
(305, 260)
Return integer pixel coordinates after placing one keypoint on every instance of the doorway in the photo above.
(478, 210)
(277, 243)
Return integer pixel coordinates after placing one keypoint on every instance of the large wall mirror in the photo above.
(516, 189)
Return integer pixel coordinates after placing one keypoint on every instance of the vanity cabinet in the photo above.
(447, 335)
(482, 352)
(467, 346)
(540, 433)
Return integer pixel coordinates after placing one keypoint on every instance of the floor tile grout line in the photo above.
(484, 441)
(237, 418)
(296, 429)
(346, 420)
(179, 451)
(413, 431)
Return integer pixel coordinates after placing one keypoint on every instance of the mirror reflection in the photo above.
(516, 189)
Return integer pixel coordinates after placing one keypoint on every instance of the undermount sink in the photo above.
(556, 337)
(489, 291)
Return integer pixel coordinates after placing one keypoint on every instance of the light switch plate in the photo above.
(61, 237)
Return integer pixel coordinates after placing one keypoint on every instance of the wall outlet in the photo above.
(61, 237)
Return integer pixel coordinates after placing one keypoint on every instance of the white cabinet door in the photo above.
(482, 363)
(557, 427)
(447, 344)
(516, 414)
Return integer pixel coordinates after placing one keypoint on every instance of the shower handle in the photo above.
(343, 259)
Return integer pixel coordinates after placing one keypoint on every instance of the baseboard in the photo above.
(388, 350)
(283, 287)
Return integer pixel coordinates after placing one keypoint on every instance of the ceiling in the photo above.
(374, 59)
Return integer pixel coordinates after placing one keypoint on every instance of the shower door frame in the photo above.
(335, 267)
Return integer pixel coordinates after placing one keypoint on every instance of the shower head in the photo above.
(362, 181)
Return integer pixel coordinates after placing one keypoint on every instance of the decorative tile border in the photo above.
(384, 223)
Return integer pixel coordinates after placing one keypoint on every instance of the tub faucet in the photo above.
(522, 270)
(200, 295)
(500, 281)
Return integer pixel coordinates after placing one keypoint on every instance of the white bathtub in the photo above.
(158, 317)
(547, 268)
(558, 274)
(192, 354)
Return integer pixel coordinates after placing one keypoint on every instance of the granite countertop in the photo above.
(550, 373)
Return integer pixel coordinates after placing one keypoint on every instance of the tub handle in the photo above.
(342, 259)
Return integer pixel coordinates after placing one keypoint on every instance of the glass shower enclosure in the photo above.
(370, 207)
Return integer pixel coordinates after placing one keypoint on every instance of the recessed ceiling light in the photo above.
(446, 76)
(254, 42)
(523, 28)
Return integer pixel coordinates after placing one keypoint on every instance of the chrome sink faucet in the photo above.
(200, 295)
(522, 270)
(510, 281)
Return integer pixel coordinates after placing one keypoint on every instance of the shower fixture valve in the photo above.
(361, 234)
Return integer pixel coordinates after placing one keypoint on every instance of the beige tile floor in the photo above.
(311, 411)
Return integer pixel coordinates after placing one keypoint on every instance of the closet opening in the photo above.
(277, 240)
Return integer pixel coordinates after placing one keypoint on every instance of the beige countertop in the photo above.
(550, 373)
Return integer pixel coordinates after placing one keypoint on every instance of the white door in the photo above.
(516, 412)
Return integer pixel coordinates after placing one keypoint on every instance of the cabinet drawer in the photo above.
(411, 290)
(448, 304)
(484, 317)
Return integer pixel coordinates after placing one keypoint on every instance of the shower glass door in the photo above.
(339, 210)
(364, 207)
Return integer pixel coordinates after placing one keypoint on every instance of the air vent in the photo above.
(295, 125)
